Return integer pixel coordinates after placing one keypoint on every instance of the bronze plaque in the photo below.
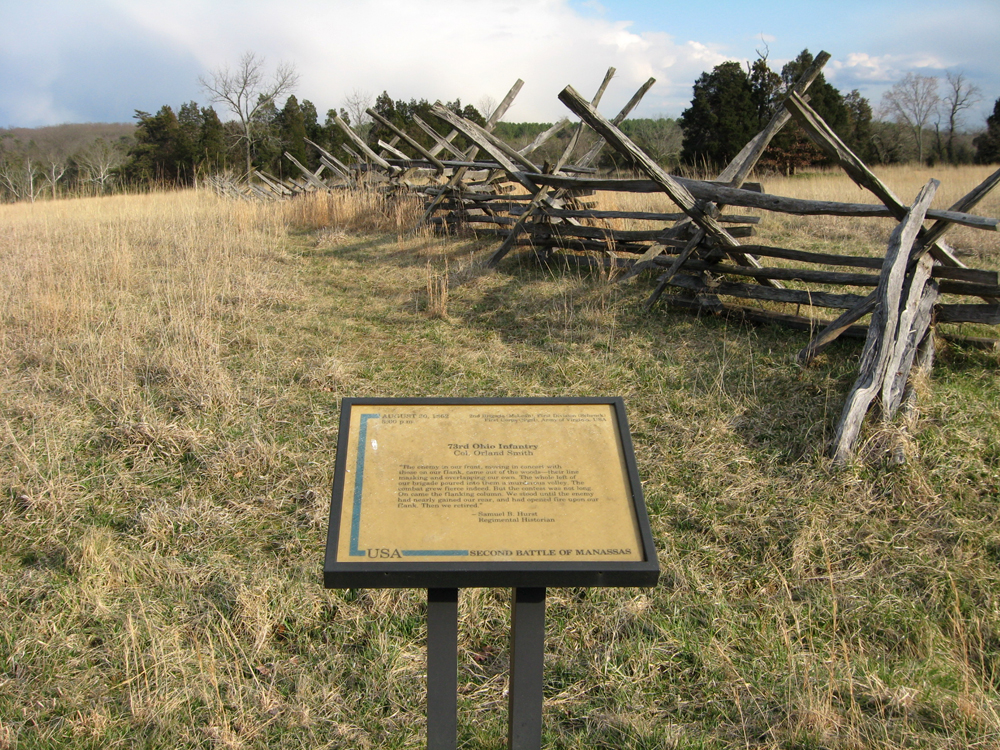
(488, 489)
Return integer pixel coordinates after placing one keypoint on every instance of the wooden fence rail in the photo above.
(697, 249)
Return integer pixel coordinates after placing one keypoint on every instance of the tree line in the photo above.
(914, 122)
(919, 118)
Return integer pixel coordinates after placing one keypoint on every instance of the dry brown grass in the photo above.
(860, 236)
(170, 372)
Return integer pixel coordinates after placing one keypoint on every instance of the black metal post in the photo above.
(527, 652)
(442, 669)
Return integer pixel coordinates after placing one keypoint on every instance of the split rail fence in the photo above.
(549, 209)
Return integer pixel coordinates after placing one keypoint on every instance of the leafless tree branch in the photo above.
(246, 90)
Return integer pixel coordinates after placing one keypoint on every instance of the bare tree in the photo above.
(246, 91)
(18, 171)
(959, 96)
(55, 168)
(487, 106)
(357, 104)
(912, 102)
(99, 160)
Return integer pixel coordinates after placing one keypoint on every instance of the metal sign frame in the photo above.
(474, 572)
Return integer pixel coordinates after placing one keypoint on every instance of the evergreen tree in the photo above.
(724, 115)
(314, 132)
(153, 157)
(212, 151)
(188, 133)
(791, 148)
(988, 144)
(265, 129)
(861, 132)
(292, 131)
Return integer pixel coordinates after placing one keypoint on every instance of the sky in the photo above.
(100, 60)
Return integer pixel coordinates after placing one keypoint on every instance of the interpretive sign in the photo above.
(487, 492)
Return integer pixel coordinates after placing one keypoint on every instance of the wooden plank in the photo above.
(740, 167)
(498, 113)
(971, 275)
(824, 137)
(541, 229)
(332, 163)
(415, 145)
(591, 156)
(677, 192)
(674, 267)
(505, 156)
(360, 143)
(312, 178)
(713, 306)
(393, 151)
(272, 184)
(914, 320)
(883, 329)
(544, 136)
(745, 198)
(458, 174)
(985, 314)
(499, 151)
(542, 193)
(782, 274)
(966, 203)
(440, 144)
(759, 292)
(580, 245)
(640, 216)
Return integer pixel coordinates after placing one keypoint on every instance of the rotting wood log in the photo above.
(882, 330)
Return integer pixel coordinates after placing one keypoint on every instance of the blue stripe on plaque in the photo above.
(359, 476)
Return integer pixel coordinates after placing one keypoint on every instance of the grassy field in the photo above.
(170, 372)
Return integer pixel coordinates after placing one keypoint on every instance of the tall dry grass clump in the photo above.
(105, 297)
(360, 209)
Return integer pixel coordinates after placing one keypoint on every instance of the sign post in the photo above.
(526, 493)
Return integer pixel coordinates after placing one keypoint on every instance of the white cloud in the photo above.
(860, 68)
(437, 49)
